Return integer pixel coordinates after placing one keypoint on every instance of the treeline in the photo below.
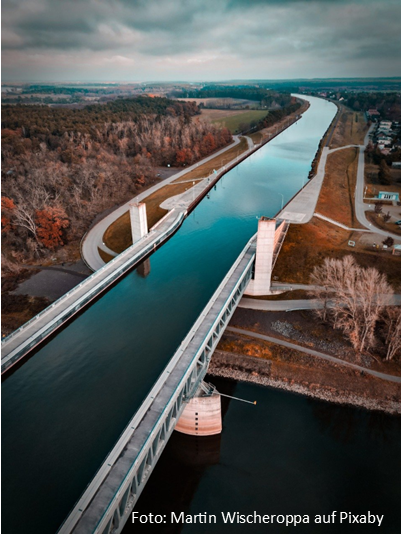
(277, 115)
(264, 96)
(63, 167)
(37, 121)
(388, 104)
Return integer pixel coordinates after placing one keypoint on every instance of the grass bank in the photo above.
(118, 235)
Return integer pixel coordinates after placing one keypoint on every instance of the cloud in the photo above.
(198, 38)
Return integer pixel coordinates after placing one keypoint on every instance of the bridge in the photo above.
(19, 343)
(110, 497)
(108, 500)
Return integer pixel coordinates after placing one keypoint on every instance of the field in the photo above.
(224, 102)
(234, 121)
(350, 130)
(336, 199)
(307, 245)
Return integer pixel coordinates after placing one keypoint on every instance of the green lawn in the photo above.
(232, 122)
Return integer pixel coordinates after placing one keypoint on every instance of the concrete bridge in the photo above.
(110, 497)
(108, 500)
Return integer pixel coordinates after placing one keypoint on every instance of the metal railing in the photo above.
(202, 354)
(106, 274)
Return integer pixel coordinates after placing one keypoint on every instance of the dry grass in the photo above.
(207, 168)
(106, 257)
(336, 199)
(307, 245)
(256, 137)
(214, 115)
(244, 117)
(351, 129)
(378, 221)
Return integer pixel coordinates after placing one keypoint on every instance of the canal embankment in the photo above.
(302, 378)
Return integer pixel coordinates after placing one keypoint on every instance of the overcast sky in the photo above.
(144, 40)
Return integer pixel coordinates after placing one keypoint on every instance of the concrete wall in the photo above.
(268, 245)
(201, 416)
(138, 219)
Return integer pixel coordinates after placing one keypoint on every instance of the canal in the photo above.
(65, 407)
(288, 455)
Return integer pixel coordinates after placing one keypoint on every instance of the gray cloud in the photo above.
(193, 39)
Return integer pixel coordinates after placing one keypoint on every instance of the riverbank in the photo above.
(258, 371)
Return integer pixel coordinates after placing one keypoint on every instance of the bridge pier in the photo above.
(270, 236)
(138, 219)
(201, 416)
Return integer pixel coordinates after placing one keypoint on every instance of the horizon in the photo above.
(201, 81)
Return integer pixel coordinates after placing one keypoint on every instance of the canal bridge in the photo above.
(110, 497)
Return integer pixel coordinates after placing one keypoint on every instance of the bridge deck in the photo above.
(111, 475)
(29, 335)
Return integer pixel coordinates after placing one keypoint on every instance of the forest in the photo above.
(388, 104)
(62, 167)
(263, 96)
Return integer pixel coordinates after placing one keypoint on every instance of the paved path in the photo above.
(360, 206)
(301, 208)
(300, 304)
(387, 377)
(94, 237)
(325, 218)
(341, 148)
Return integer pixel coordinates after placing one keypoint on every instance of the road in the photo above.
(360, 206)
(94, 237)
(299, 304)
(387, 377)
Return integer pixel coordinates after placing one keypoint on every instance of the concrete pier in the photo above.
(201, 416)
(144, 269)
(270, 236)
(138, 219)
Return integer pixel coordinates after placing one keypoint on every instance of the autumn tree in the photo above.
(378, 207)
(7, 208)
(356, 297)
(392, 320)
(51, 224)
(384, 174)
(386, 217)
(389, 242)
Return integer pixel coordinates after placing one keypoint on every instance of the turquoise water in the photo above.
(65, 407)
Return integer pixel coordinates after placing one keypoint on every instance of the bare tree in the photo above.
(392, 319)
(356, 298)
(378, 207)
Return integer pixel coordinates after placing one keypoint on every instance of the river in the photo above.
(64, 409)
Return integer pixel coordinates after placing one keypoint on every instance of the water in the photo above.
(64, 408)
(289, 454)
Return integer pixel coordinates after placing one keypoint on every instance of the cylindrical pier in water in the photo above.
(201, 416)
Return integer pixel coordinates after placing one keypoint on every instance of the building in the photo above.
(372, 114)
(384, 140)
(388, 196)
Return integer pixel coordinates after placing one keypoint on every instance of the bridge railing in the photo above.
(106, 275)
(115, 511)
